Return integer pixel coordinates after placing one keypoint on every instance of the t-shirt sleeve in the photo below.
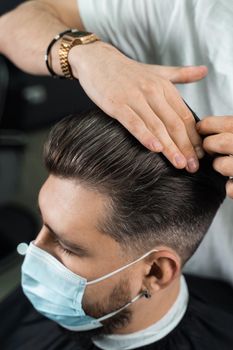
(136, 27)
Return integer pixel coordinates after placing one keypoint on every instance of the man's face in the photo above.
(71, 214)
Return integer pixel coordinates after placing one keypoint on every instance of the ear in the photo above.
(161, 269)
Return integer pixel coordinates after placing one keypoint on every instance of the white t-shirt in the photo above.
(181, 32)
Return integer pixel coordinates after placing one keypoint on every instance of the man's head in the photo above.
(116, 200)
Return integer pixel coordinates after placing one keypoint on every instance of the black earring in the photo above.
(147, 295)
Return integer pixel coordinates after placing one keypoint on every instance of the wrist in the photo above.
(81, 57)
(68, 39)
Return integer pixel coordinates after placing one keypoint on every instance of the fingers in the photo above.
(186, 116)
(224, 165)
(135, 125)
(229, 188)
(177, 132)
(215, 125)
(181, 74)
(188, 74)
(158, 128)
(221, 143)
(162, 130)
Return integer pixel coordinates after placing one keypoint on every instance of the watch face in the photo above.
(78, 34)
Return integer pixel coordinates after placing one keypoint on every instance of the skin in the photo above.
(218, 132)
(66, 208)
(147, 103)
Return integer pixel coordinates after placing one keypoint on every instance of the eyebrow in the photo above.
(77, 248)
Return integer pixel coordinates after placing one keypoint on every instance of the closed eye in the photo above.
(61, 248)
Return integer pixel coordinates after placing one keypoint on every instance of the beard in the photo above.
(119, 297)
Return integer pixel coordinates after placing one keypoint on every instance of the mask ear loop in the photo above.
(145, 294)
(121, 268)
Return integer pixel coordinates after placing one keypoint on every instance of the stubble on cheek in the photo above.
(118, 297)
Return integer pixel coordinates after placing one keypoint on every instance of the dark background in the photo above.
(28, 104)
(33, 102)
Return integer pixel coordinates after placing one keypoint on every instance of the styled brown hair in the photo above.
(150, 202)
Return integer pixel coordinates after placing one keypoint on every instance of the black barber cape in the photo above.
(206, 325)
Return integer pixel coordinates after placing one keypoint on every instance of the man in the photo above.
(118, 224)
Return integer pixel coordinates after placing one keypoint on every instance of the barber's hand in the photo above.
(143, 99)
(220, 141)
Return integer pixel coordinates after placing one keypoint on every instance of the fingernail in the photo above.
(200, 152)
(180, 160)
(157, 146)
(192, 164)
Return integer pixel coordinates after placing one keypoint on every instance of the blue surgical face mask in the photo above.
(57, 293)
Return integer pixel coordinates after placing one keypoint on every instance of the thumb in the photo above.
(181, 74)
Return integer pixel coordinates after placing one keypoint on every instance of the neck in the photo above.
(149, 311)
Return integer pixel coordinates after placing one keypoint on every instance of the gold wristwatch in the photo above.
(68, 41)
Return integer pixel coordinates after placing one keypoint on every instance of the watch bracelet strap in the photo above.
(65, 48)
(63, 56)
(49, 48)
